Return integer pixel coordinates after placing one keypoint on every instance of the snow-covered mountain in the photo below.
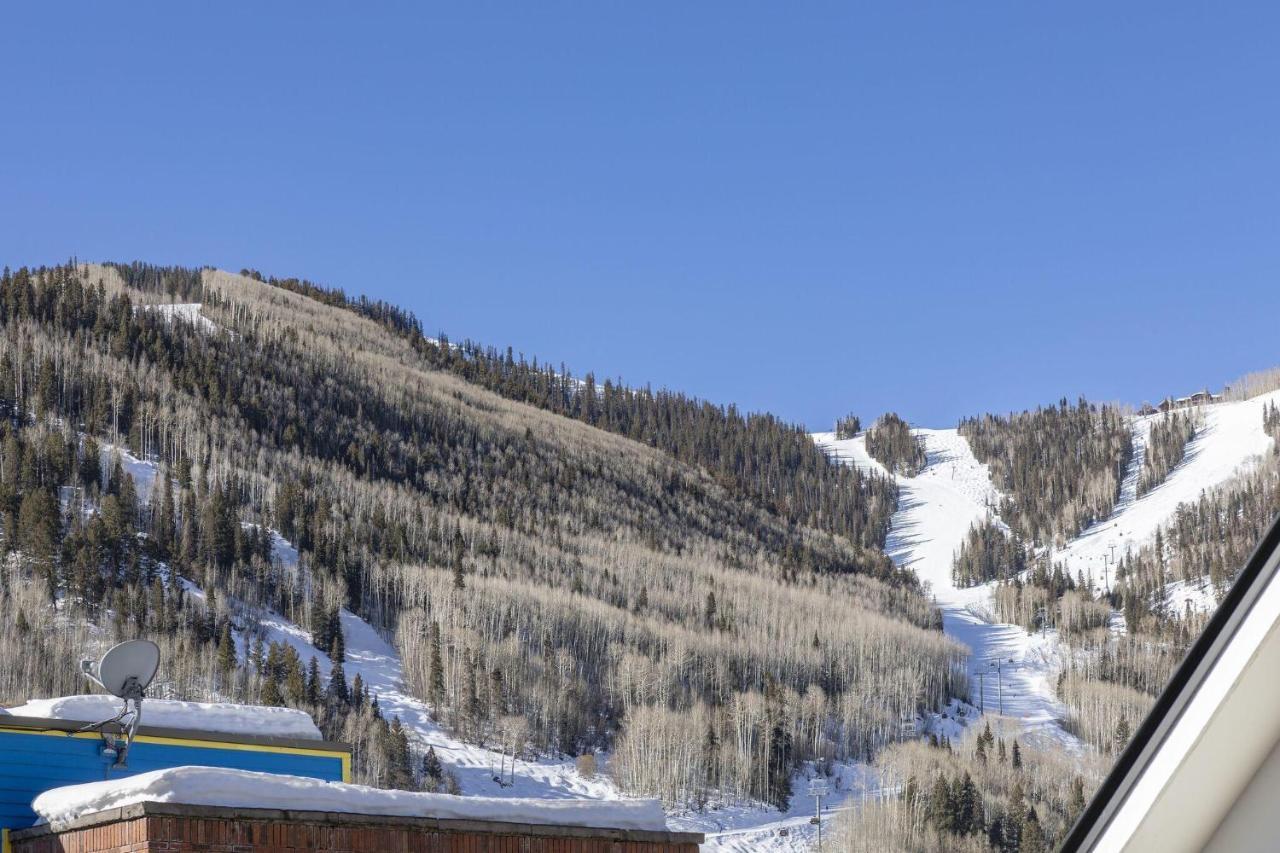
(938, 506)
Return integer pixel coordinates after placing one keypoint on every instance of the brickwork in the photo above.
(153, 827)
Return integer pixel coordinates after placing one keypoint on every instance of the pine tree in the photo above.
(313, 681)
(338, 647)
(435, 672)
(968, 807)
(270, 678)
(459, 550)
(166, 523)
(1122, 734)
(295, 680)
(941, 808)
(226, 650)
(709, 611)
(432, 771)
(1017, 756)
(337, 691)
(1032, 840)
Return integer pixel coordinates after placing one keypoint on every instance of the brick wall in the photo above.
(175, 829)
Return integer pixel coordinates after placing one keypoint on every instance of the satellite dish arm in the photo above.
(132, 690)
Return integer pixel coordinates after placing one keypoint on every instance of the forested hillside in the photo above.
(759, 455)
(612, 567)
(1060, 467)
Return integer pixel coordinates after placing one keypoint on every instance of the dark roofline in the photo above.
(1200, 660)
(495, 827)
(46, 724)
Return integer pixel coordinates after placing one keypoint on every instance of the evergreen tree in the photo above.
(1032, 835)
(313, 681)
(357, 692)
(271, 694)
(226, 650)
(338, 646)
(435, 672)
(1122, 734)
(432, 771)
(337, 691)
(941, 807)
(295, 680)
(968, 807)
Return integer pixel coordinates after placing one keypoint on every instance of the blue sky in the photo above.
(939, 209)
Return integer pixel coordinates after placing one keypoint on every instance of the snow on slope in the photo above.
(955, 490)
(142, 471)
(221, 786)
(1231, 441)
(378, 664)
(935, 511)
(751, 830)
(187, 312)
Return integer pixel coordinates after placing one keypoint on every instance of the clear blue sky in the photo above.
(934, 208)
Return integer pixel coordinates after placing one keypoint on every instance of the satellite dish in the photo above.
(126, 671)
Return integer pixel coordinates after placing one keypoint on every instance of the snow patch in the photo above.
(187, 312)
(217, 786)
(143, 471)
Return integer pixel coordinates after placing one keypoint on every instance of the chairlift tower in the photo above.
(907, 725)
(818, 788)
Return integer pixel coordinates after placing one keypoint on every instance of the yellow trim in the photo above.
(345, 757)
(4, 841)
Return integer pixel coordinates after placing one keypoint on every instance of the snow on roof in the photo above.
(169, 713)
(218, 786)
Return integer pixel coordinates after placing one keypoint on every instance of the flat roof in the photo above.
(46, 724)
(491, 827)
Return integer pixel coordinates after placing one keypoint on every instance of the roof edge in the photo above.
(496, 827)
(48, 724)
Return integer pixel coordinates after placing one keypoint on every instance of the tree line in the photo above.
(891, 442)
(1166, 446)
(1060, 467)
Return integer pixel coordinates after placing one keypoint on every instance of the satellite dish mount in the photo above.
(125, 671)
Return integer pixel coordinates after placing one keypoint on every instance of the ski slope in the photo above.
(1231, 440)
(936, 508)
(954, 491)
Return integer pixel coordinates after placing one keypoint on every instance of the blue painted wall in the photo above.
(31, 763)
